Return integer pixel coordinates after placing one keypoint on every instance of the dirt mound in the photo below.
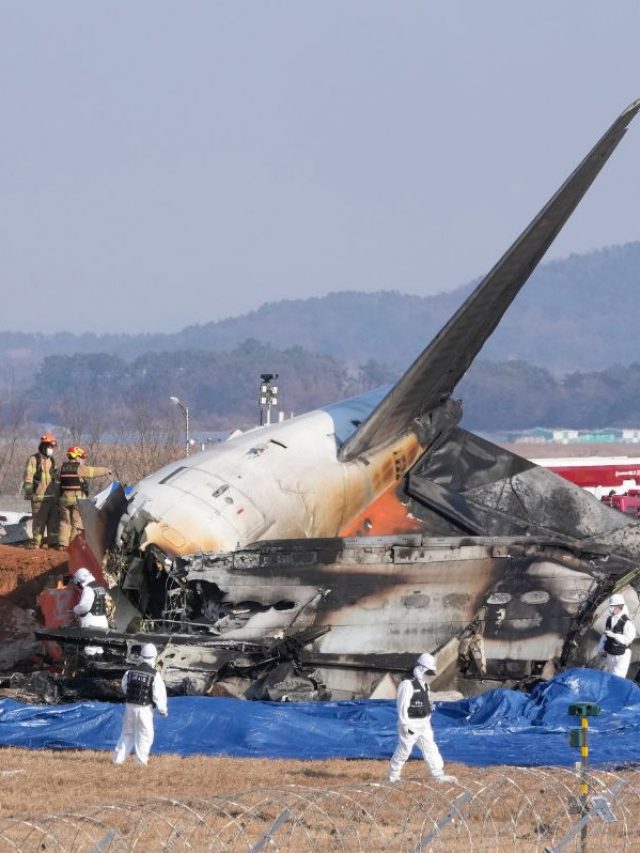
(25, 573)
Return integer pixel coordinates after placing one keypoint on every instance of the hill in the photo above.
(568, 317)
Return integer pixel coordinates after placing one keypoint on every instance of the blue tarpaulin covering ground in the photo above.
(498, 727)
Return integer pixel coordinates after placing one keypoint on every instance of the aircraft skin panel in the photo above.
(347, 415)
(206, 497)
(388, 514)
(297, 489)
(436, 372)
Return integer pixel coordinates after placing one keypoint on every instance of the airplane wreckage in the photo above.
(315, 558)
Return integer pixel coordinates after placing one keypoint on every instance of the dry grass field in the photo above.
(79, 801)
(74, 780)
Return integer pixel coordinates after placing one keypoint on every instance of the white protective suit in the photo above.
(85, 618)
(619, 664)
(137, 725)
(412, 731)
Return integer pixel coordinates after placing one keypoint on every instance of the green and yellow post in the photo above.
(580, 738)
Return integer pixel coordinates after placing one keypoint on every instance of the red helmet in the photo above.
(75, 452)
(48, 438)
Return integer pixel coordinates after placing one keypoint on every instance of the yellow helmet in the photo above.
(75, 452)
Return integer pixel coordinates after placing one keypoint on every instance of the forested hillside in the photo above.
(554, 361)
(103, 393)
(574, 314)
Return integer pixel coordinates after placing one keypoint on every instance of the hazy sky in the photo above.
(170, 163)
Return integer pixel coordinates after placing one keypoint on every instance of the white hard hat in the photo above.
(82, 577)
(148, 651)
(616, 600)
(428, 662)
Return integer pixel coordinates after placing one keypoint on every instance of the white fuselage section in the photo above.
(281, 481)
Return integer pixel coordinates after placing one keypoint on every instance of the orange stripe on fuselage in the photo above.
(384, 516)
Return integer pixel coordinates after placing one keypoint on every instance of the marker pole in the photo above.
(584, 784)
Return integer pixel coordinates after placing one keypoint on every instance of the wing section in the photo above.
(435, 373)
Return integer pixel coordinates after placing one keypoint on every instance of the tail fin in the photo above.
(436, 372)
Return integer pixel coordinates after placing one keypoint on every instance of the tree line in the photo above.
(220, 388)
(95, 394)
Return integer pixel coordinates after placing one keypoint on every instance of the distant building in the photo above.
(600, 436)
(541, 435)
(565, 436)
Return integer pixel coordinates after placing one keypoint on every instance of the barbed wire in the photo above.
(516, 809)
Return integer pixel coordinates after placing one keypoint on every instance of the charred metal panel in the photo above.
(101, 525)
(484, 489)
(623, 540)
(387, 600)
(343, 613)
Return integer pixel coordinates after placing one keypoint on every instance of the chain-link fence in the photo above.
(515, 809)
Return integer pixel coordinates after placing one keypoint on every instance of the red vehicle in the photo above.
(628, 503)
(599, 475)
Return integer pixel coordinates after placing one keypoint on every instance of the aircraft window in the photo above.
(499, 598)
(455, 599)
(173, 474)
(259, 607)
(417, 599)
(535, 596)
(220, 491)
(572, 595)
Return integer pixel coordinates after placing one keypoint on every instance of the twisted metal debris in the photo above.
(515, 809)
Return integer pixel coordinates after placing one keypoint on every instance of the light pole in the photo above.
(268, 396)
(185, 411)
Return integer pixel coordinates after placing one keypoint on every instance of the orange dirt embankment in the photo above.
(25, 573)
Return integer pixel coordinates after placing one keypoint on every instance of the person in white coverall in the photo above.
(618, 635)
(144, 689)
(91, 610)
(414, 722)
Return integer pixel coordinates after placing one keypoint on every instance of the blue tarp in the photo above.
(497, 727)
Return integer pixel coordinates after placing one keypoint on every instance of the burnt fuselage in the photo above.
(381, 602)
(508, 560)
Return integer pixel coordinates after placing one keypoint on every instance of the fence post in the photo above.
(266, 838)
(462, 800)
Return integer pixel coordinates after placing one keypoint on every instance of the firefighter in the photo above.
(40, 486)
(74, 474)
(144, 689)
(414, 722)
(619, 633)
(91, 610)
